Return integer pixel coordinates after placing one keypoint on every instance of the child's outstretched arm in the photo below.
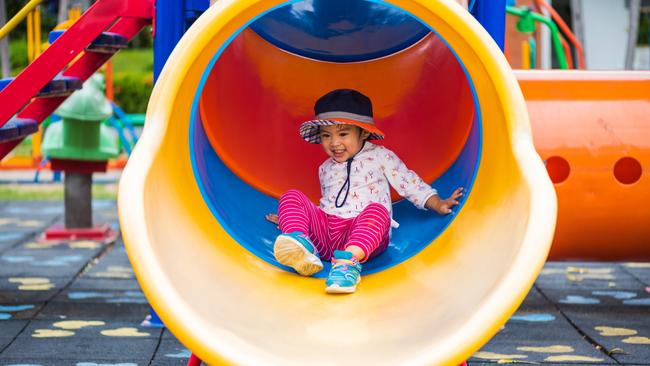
(410, 186)
(444, 206)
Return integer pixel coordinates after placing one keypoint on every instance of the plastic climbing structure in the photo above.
(77, 53)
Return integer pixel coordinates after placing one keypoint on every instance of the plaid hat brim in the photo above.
(310, 130)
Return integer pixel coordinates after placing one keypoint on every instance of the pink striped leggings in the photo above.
(369, 231)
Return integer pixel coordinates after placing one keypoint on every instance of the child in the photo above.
(354, 219)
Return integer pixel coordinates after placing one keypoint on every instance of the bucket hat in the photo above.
(341, 106)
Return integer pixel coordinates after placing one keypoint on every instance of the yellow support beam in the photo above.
(13, 22)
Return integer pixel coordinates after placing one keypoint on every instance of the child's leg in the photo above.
(297, 213)
(369, 232)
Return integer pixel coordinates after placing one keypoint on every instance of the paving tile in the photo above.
(171, 352)
(550, 325)
(43, 263)
(21, 289)
(641, 271)
(601, 298)
(28, 361)
(99, 284)
(79, 348)
(581, 275)
(615, 328)
(18, 311)
(103, 296)
(86, 310)
(541, 351)
(11, 328)
(102, 328)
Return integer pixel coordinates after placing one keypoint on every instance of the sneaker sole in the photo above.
(290, 253)
(336, 289)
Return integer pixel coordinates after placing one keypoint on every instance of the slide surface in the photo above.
(220, 144)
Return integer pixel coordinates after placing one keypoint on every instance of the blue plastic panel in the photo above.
(340, 30)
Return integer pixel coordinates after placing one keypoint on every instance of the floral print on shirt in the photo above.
(374, 169)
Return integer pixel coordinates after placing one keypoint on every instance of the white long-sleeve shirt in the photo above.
(372, 170)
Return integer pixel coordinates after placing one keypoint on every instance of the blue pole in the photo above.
(173, 17)
(492, 15)
(170, 26)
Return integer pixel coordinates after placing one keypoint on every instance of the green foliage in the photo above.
(133, 62)
(48, 18)
(132, 92)
(18, 55)
(144, 39)
(133, 79)
(50, 192)
(644, 29)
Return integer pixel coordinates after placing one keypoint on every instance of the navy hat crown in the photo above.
(344, 100)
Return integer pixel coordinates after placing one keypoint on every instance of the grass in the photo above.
(133, 61)
(51, 192)
(24, 148)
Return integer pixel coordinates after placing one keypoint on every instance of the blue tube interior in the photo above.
(340, 30)
(240, 209)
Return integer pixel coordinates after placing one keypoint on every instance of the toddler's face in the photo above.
(342, 142)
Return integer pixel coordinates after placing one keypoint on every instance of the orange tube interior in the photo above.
(267, 98)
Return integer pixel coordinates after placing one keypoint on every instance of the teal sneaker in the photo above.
(295, 250)
(345, 274)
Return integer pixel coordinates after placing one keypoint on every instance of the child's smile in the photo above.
(341, 142)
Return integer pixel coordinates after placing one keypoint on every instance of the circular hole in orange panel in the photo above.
(558, 169)
(627, 170)
(256, 97)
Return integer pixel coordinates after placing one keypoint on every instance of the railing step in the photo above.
(60, 86)
(17, 128)
(106, 42)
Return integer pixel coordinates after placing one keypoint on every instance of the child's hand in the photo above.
(444, 207)
(272, 218)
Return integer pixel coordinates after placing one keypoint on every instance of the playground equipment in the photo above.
(194, 223)
(106, 42)
(39, 89)
(80, 144)
(591, 128)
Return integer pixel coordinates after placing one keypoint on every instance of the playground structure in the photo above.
(190, 186)
(108, 43)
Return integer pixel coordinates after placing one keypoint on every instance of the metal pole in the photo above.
(635, 6)
(4, 44)
(578, 25)
(545, 44)
(63, 11)
(78, 200)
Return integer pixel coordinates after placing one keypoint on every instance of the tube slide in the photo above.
(221, 144)
(592, 130)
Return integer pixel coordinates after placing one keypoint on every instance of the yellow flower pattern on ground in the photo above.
(615, 332)
(51, 333)
(549, 349)
(123, 332)
(116, 272)
(32, 283)
(496, 356)
(77, 324)
(637, 340)
(41, 245)
(567, 358)
(30, 223)
(84, 244)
